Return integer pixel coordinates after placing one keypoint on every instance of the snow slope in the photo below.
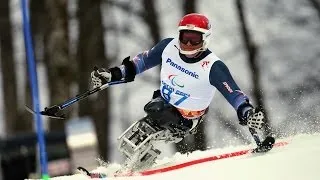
(297, 160)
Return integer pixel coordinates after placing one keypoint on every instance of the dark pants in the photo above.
(165, 115)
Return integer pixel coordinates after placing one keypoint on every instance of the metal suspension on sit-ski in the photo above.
(137, 143)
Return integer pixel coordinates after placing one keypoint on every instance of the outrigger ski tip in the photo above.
(265, 145)
(91, 175)
(43, 113)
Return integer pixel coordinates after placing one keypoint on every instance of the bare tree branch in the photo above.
(252, 53)
(190, 6)
(7, 67)
(151, 18)
(57, 57)
(91, 51)
(316, 5)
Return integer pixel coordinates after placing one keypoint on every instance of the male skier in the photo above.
(190, 74)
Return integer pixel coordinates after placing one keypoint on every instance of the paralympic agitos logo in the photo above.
(174, 82)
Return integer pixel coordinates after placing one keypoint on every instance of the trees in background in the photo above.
(15, 121)
(64, 70)
(59, 65)
(9, 87)
(90, 53)
(316, 5)
(51, 36)
(252, 51)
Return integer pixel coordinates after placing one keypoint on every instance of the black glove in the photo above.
(252, 117)
(100, 76)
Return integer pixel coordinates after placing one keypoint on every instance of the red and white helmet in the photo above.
(196, 22)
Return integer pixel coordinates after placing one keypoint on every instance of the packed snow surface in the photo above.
(298, 160)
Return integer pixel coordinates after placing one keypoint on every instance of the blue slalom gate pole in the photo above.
(32, 71)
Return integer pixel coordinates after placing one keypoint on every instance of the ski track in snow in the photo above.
(296, 161)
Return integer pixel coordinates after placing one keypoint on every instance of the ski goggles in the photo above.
(194, 37)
